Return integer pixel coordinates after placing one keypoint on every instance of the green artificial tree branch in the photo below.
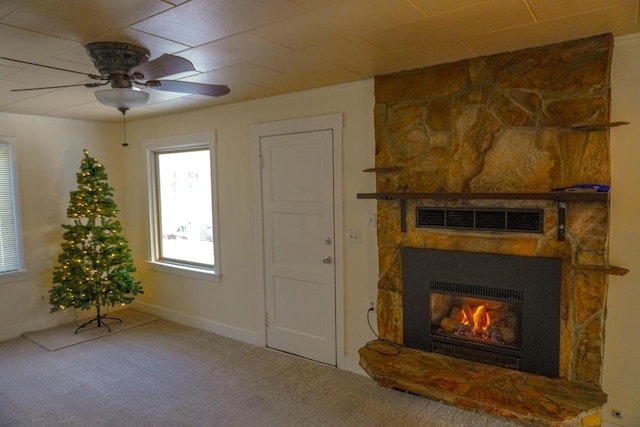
(95, 265)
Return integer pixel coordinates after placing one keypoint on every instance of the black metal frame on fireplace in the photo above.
(533, 282)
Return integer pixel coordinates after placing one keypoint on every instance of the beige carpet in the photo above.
(64, 335)
(164, 374)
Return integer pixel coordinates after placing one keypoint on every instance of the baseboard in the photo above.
(243, 335)
(353, 365)
(54, 319)
(16, 330)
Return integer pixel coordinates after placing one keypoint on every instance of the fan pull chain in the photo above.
(124, 126)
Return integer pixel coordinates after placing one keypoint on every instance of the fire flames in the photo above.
(477, 318)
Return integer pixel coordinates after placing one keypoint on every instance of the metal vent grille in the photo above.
(517, 220)
(506, 361)
(477, 290)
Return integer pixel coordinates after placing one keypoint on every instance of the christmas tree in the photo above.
(95, 266)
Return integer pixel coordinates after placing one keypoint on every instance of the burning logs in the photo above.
(448, 324)
(491, 321)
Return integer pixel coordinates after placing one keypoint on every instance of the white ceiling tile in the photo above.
(406, 36)
(8, 69)
(157, 96)
(342, 19)
(297, 70)
(53, 100)
(619, 19)
(182, 104)
(350, 53)
(90, 111)
(290, 62)
(81, 20)
(199, 21)
(243, 92)
(419, 57)
(8, 6)
(40, 76)
(77, 55)
(231, 50)
(479, 19)
(29, 46)
(438, 7)
(7, 97)
(239, 74)
(483, 18)
(314, 4)
(265, 47)
(546, 10)
(157, 46)
(322, 75)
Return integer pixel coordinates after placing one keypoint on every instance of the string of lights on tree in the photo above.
(95, 265)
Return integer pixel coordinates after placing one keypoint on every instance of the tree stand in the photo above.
(98, 320)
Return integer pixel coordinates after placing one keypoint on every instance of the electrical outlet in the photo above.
(372, 305)
(372, 220)
(354, 237)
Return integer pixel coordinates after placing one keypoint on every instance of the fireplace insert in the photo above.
(502, 310)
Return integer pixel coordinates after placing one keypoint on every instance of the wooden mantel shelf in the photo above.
(559, 196)
(605, 269)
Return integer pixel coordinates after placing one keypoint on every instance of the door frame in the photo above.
(331, 122)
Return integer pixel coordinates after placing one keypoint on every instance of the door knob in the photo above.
(327, 260)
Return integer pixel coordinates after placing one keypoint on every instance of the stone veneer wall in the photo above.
(502, 123)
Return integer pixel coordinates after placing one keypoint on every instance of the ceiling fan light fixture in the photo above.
(121, 98)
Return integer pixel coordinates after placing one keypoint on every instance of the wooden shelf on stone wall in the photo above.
(605, 269)
(383, 169)
(598, 126)
(558, 196)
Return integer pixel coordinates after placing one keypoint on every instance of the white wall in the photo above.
(621, 379)
(49, 152)
(230, 307)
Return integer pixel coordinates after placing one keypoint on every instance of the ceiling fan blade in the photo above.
(60, 87)
(188, 87)
(165, 65)
(91, 76)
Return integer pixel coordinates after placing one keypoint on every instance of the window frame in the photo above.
(20, 273)
(181, 143)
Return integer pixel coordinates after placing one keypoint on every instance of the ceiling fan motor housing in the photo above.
(114, 60)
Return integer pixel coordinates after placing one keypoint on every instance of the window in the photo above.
(11, 261)
(184, 234)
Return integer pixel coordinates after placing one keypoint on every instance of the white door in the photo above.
(298, 224)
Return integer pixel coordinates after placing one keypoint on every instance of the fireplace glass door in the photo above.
(503, 310)
(477, 320)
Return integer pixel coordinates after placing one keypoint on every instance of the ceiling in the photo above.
(261, 48)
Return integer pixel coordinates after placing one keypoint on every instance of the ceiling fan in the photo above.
(126, 67)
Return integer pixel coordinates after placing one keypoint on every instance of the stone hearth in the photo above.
(503, 123)
(524, 398)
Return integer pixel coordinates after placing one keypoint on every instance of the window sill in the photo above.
(14, 276)
(185, 271)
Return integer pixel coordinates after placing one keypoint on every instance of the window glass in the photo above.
(185, 233)
(10, 256)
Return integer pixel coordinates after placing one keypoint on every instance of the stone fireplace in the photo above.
(510, 124)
